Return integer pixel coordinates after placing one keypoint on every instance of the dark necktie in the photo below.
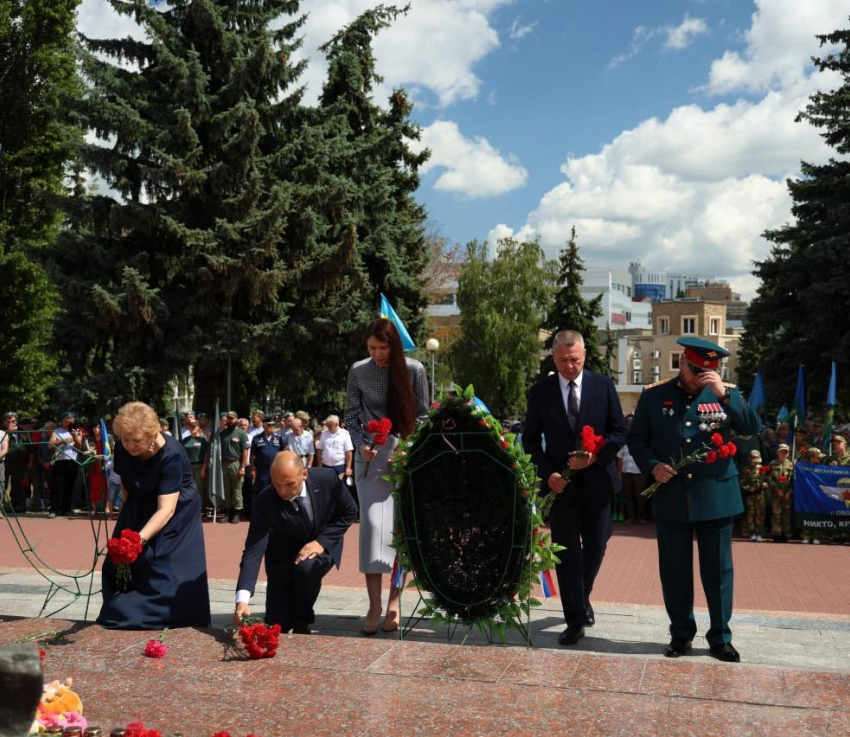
(302, 506)
(572, 407)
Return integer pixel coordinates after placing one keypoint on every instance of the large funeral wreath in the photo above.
(469, 526)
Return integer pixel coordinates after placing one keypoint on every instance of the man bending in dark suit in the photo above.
(299, 523)
(558, 407)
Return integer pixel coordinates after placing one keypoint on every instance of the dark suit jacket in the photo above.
(600, 408)
(278, 530)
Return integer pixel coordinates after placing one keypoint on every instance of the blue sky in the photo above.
(662, 130)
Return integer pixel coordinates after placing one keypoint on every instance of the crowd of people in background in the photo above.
(62, 467)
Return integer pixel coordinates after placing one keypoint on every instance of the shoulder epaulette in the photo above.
(659, 383)
(730, 386)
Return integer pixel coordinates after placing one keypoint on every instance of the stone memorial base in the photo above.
(320, 685)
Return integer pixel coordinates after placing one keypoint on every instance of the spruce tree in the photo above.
(371, 155)
(197, 252)
(570, 311)
(37, 80)
(802, 311)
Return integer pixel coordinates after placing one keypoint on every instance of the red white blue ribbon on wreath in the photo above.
(397, 575)
(547, 584)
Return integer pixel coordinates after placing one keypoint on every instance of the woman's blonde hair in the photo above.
(136, 417)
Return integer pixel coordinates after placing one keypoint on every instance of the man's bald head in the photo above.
(288, 474)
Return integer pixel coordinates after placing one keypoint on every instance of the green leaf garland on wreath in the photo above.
(457, 432)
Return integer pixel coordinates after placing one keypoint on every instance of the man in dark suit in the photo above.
(558, 407)
(674, 419)
(299, 523)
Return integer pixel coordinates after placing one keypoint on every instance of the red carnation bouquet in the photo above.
(380, 431)
(260, 640)
(707, 454)
(122, 552)
(591, 444)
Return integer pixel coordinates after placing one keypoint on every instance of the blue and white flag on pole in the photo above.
(831, 401)
(388, 312)
(757, 395)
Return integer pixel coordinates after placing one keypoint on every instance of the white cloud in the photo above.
(680, 37)
(435, 46)
(676, 38)
(779, 44)
(518, 31)
(694, 192)
(640, 37)
(473, 167)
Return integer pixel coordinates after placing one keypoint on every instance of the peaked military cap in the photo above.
(702, 353)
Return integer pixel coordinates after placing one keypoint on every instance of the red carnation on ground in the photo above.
(260, 640)
(137, 729)
(122, 552)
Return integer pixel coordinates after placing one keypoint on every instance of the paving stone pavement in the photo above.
(798, 640)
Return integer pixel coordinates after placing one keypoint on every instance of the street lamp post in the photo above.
(433, 345)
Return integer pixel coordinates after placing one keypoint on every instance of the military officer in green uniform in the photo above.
(673, 419)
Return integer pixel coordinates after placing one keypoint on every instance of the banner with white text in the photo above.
(821, 497)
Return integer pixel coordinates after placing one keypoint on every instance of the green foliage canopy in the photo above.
(502, 302)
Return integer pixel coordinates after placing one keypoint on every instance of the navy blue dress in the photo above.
(169, 579)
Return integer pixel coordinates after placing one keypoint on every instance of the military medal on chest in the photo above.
(667, 409)
(711, 416)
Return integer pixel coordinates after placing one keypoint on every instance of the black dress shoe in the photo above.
(571, 635)
(725, 652)
(677, 648)
(590, 620)
(301, 629)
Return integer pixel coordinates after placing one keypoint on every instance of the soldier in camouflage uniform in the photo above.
(753, 484)
(779, 479)
(815, 536)
(840, 457)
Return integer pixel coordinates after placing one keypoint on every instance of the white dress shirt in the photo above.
(565, 391)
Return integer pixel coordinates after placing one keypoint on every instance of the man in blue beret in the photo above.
(674, 419)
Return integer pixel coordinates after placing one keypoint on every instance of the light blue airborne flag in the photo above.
(830, 412)
(782, 415)
(797, 418)
(821, 497)
(388, 312)
(107, 448)
(757, 396)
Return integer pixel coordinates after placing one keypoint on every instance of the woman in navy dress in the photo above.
(161, 503)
